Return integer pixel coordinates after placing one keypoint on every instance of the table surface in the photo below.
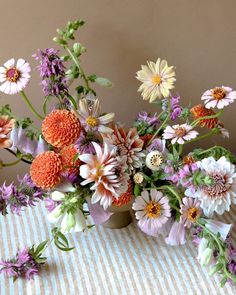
(106, 261)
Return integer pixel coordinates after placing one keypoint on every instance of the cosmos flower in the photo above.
(128, 144)
(90, 118)
(218, 196)
(61, 128)
(200, 111)
(107, 173)
(179, 133)
(157, 80)
(6, 126)
(190, 211)
(218, 97)
(14, 76)
(152, 211)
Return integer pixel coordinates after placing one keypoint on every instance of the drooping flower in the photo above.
(205, 254)
(200, 111)
(14, 76)
(190, 211)
(179, 133)
(216, 227)
(52, 72)
(152, 211)
(124, 198)
(157, 80)
(90, 118)
(128, 144)
(218, 97)
(97, 212)
(61, 128)
(176, 235)
(154, 160)
(46, 170)
(6, 126)
(107, 172)
(68, 154)
(218, 196)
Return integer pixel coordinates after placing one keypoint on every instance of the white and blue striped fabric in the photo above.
(106, 261)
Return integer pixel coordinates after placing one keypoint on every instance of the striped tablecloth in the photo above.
(106, 261)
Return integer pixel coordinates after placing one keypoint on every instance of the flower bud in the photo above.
(103, 82)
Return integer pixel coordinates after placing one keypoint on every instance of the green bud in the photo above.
(59, 41)
(59, 32)
(77, 48)
(216, 268)
(103, 82)
(137, 190)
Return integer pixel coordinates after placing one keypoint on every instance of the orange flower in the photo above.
(68, 154)
(146, 138)
(188, 160)
(46, 169)
(200, 111)
(61, 128)
(124, 198)
(6, 125)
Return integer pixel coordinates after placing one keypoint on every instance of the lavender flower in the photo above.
(145, 117)
(176, 109)
(52, 72)
(84, 143)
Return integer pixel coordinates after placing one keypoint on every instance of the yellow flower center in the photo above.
(12, 74)
(193, 214)
(92, 121)
(218, 93)
(153, 209)
(180, 132)
(156, 79)
(156, 160)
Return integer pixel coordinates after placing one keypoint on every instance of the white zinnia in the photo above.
(14, 76)
(157, 78)
(218, 196)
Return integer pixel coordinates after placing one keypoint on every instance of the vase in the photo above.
(120, 218)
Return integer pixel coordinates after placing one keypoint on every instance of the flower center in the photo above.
(156, 79)
(218, 188)
(153, 210)
(92, 121)
(12, 74)
(156, 160)
(218, 93)
(193, 214)
(180, 132)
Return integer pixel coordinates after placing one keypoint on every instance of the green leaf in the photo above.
(40, 248)
(72, 100)
(45, 104)
(216, 268)
(137, 190)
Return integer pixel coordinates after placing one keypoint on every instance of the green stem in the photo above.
(212, 148)
(163, 123)
(172, 191)
(11, 163)
(195, 123)
(31, 106)
(76, 61)
(202, 136)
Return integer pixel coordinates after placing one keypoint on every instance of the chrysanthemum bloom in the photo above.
(68, 154)
(152, 211)
(124, 198)
(179, 133)
(107, 172)
(14, 76)
(154, 160)
(46, 169)
(90, 118)
(190, 211)
(128, 144)
(218, 196)
(157, 78)
(218, 97)
(6, 126)
(200, 111)
(61, 128)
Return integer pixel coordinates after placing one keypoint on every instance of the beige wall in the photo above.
(198, 36)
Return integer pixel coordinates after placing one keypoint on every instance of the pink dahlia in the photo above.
(152, 211)
(128, 144)
(190, 211)
(218, 97)
(107, 172)
(179, 133)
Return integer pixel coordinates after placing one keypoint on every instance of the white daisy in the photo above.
(179, 133)
(14, 76)
(218, 196)
(157, 79)
(218, 97)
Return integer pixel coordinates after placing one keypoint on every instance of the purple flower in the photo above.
(176, 109)
(151, 121)
(84, 144)
(177, 235)
(50, 204)
(52, 72)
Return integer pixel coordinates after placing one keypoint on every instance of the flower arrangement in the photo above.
(83, 163)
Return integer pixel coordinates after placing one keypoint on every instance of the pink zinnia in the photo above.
(179, 133)
(190, 211)
(152, 211)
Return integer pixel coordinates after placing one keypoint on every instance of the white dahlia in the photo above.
(218, 196)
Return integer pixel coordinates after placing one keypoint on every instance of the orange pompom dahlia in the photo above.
(124, 198)
(200, 111)
(46, 169)
(68, 154)
(61, 128)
